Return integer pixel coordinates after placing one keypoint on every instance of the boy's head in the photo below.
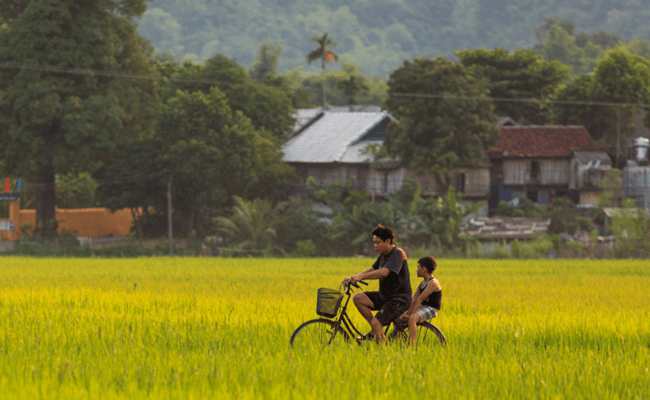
(384, 233)
(429, 263)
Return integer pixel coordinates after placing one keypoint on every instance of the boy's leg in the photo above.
(414, 319)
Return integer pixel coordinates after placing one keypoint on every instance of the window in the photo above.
(534, 170)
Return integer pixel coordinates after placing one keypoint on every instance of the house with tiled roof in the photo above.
(544, 162)
(331, 144)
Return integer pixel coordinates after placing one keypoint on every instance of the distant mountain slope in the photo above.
(376, 34)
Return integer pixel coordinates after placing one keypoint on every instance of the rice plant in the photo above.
(220, 328)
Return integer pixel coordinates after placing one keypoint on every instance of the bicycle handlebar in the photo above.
(346, 287)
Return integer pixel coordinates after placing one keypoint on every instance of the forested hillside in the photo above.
(377, 35)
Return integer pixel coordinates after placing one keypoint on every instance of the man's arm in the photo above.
(370, 274)
(348, 280)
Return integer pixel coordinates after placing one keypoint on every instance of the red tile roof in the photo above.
(543, 141)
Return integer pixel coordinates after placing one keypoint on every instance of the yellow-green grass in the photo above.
(220, 328)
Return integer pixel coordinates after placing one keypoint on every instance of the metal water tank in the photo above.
(641, 147)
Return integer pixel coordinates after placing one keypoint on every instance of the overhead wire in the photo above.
(117, 74)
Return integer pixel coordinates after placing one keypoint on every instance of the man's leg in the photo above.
(378, 331)
(364, 305)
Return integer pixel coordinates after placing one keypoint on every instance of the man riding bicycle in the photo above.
(394, 295)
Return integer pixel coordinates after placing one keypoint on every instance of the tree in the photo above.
(324, 53)
(579, 53)
(521, 74)
(266, 63)
(75, 190)
(53, 121)
(268, 107)
(252, 223)
(440, 219)
(352, 87)
(622, 77)
(214, 153)
(10, 9)
(135, 178)
(437, 131)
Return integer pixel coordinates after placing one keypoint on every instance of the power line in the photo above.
(116, 74)
(513, 100)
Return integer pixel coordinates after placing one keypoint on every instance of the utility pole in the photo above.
(169, 216)
(618, 133)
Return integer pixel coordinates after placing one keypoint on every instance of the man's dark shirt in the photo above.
(397, 285)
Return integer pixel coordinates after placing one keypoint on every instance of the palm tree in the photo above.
(251, 224)
(324, 53)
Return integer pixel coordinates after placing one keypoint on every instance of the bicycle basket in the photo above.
(328, 303)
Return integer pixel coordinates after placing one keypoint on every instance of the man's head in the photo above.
(428, 263)
(383, 238)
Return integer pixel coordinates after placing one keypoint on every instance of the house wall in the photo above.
(583, 178)
(390, 181)
(552, 172)
(326, 174)
(386, 181)
(515, 172)
(477, 182)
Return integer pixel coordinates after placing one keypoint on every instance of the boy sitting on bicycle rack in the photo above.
(426, 300)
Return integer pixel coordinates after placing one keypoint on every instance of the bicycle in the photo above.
(336, 327)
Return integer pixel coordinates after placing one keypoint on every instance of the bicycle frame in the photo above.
(344, 322)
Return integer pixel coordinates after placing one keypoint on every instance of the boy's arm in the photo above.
(418, 301)
(418, 298)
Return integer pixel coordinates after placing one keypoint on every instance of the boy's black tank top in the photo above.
(434, 300)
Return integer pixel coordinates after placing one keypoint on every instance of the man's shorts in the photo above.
(426, 312)
(387, 311)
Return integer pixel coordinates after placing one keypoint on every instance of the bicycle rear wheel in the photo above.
(318, 333)
(428, 335)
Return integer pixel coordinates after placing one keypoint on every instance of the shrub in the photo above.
(305, 248)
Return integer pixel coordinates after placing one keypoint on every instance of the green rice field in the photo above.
(195, 328)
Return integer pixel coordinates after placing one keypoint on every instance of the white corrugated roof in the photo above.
(303, 116)
(333, 138)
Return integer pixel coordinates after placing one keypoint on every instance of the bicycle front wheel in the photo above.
(318, 333)
(428, 335)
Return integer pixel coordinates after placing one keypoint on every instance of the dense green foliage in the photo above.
(436, 134)
(559, 41)
(377, 35)
(620, 77)
(51, 122)
(163, 328)
(521, 74)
